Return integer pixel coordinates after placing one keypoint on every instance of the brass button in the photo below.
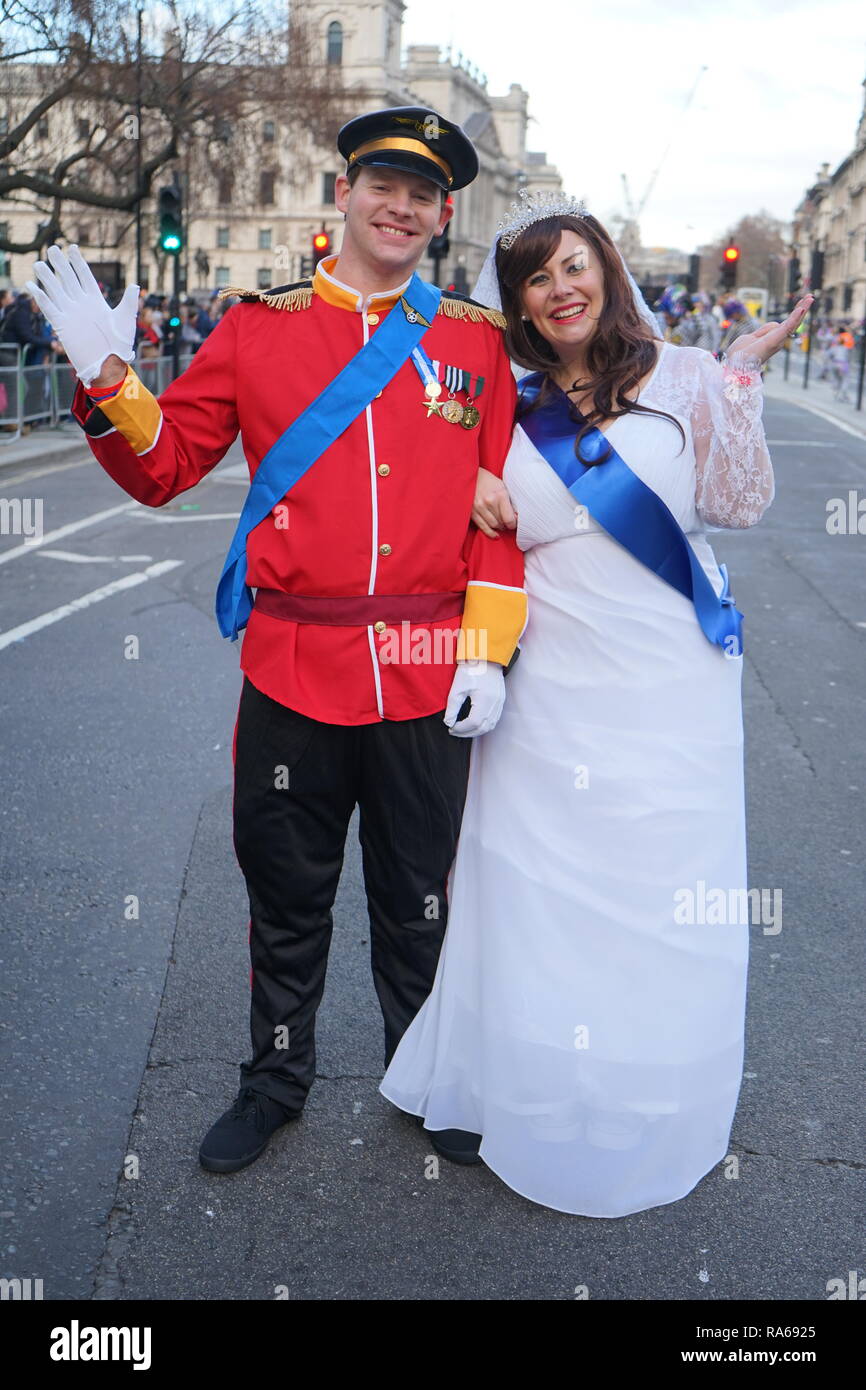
(380, 626)
(383, 470)
(385, 549)
(372, 318)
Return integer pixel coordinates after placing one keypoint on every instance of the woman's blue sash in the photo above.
(628, 510)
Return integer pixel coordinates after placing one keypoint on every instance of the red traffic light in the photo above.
(732, 253)
(321, 241)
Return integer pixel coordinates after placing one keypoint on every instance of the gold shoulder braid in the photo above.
(289, 297)
(458, 306)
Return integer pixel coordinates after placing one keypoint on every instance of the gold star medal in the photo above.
(432, 391)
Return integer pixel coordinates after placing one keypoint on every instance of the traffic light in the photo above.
(171, 220)
(816, 271)
(729, 267)
(793, 275)
(321, 246)
(694, 276)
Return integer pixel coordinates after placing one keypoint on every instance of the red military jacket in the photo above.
(384, 510)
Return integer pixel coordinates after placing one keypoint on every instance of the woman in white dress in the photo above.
(584, 1034)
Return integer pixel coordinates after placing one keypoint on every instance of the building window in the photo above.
(42, 128)
(4, 125)
(335, 42)
(269, 132)
(83, 236)
(223, 129)
(263, 279)
(329, 185)
(225, 186)
(222, 277)
(222, 237)
(264, 238)
(266, 187)
(83, 128)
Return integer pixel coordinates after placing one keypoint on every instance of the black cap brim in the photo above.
(408, 163)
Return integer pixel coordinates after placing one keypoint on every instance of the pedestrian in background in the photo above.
(740, 323)
(709, 334)
(839, 358)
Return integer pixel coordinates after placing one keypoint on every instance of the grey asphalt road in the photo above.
(124, 973)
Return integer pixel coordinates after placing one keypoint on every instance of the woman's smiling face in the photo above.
(564, 297)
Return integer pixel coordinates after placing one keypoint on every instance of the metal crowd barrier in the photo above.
(43, 393)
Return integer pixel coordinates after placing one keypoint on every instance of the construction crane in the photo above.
(631, 223)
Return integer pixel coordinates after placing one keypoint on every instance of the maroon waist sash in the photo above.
(359, 610)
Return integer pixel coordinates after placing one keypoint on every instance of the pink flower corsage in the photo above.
(740, 377)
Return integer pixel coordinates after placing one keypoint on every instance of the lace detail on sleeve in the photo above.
(733, 469)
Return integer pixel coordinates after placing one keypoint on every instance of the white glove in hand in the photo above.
(484, 683)
(72, 303)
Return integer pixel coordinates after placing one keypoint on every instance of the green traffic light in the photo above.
(174, 321)
(171, 242)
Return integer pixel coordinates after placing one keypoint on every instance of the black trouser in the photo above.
(297, 782)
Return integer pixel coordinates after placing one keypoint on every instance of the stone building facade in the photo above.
(262, 235)
(831, 219)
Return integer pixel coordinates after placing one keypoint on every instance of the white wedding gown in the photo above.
(594, 1040)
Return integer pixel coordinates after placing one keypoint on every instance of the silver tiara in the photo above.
(534, 207)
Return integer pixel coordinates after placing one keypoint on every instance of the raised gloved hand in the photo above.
(484, 683)
(73, 304)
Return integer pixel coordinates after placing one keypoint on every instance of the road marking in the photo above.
(39, 472)
(814, 410)
(804, 443)
(18, 550)
(129, 581)
(193, 516)
(78, 559)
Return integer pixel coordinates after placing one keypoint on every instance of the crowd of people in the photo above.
(697, 320)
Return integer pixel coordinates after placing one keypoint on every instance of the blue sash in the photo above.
(629, 511)
(315, 429)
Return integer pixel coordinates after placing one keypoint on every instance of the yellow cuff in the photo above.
(135, 413)
(493, 621)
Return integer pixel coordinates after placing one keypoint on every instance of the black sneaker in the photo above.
(458, 1145)
(242, 1133)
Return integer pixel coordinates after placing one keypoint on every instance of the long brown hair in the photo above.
(621, 351)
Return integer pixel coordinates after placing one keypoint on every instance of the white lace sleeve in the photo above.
(734, 473)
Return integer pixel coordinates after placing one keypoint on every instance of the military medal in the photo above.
(432, 391)
(453, 412)
(471, 416)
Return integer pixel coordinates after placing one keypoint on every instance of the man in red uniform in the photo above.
(379, 607)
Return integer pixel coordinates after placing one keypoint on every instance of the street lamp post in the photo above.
(138, 256)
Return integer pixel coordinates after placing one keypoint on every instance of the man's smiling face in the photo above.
(390, 218)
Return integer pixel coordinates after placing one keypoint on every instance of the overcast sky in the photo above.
(608, 83)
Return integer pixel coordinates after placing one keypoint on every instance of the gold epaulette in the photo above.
(299, 296)
(459, 306)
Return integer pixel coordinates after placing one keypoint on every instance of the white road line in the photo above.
(193, 516)
(831, 419)
(129, 581)
(75, 557)
(25, 477)
(803, 443)
(18, 550)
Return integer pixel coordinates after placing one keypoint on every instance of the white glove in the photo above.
(484, 683)
(72, 303)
